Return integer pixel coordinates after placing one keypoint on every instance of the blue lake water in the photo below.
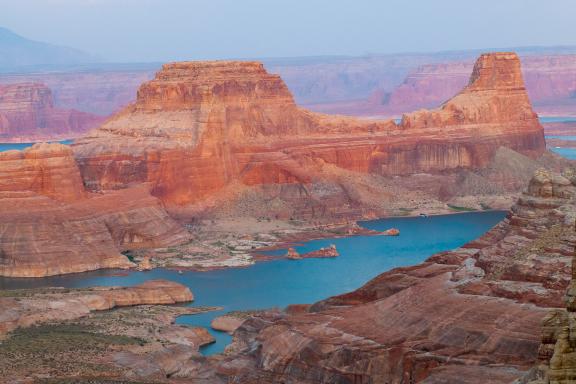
(556, 119)
(20, 146)
(569, 153)
(569, 138)
(281, 282)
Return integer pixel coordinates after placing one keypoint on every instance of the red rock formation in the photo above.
(550, 83)
(102, 90)
(391, 232)
(200, 127)
(462, 316)
(428, 86)
(226, 323)
(557, 355)
(49, 225)
(323, 252)
(45, 169)
(27, 112)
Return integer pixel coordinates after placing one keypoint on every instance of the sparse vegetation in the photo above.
(129, 255)
(485, 207)
(65, 349)
(461, 209)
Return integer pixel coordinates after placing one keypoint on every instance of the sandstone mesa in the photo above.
(198, 127)
(206, 136)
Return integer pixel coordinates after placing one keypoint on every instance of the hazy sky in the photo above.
(160, 30)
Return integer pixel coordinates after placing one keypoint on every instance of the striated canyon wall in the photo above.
(50, 225)
(200, 127)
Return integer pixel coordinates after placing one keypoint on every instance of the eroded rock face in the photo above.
(27, 112)
(557, 355)
(550, 83)
(461, 316)
(200, 127)
(45, 169)
(50, 225)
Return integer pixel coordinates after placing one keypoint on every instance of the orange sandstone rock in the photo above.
(49, 225)
(226, 323)
(45, 169)
(199, 127)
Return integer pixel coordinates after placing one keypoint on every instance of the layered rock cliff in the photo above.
(200, 129)
(467, 316)
(50, 225)
(27, 112)
(100, 90)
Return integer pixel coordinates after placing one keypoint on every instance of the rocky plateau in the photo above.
(242, 124)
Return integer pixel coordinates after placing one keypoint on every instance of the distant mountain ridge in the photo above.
(17, 52)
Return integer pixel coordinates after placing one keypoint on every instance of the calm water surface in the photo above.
(569, 138)
(20, 146)
(557, 119)
(281, 282)
(569, 153)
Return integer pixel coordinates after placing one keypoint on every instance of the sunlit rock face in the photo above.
(200, 127)
(50, 225)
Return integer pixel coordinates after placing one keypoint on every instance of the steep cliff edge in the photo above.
(27, 112)
(50, 225)
(549, 80)
(462, 316)
(199, 128)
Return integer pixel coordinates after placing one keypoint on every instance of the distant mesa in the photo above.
(199, 127)
(27, 111)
